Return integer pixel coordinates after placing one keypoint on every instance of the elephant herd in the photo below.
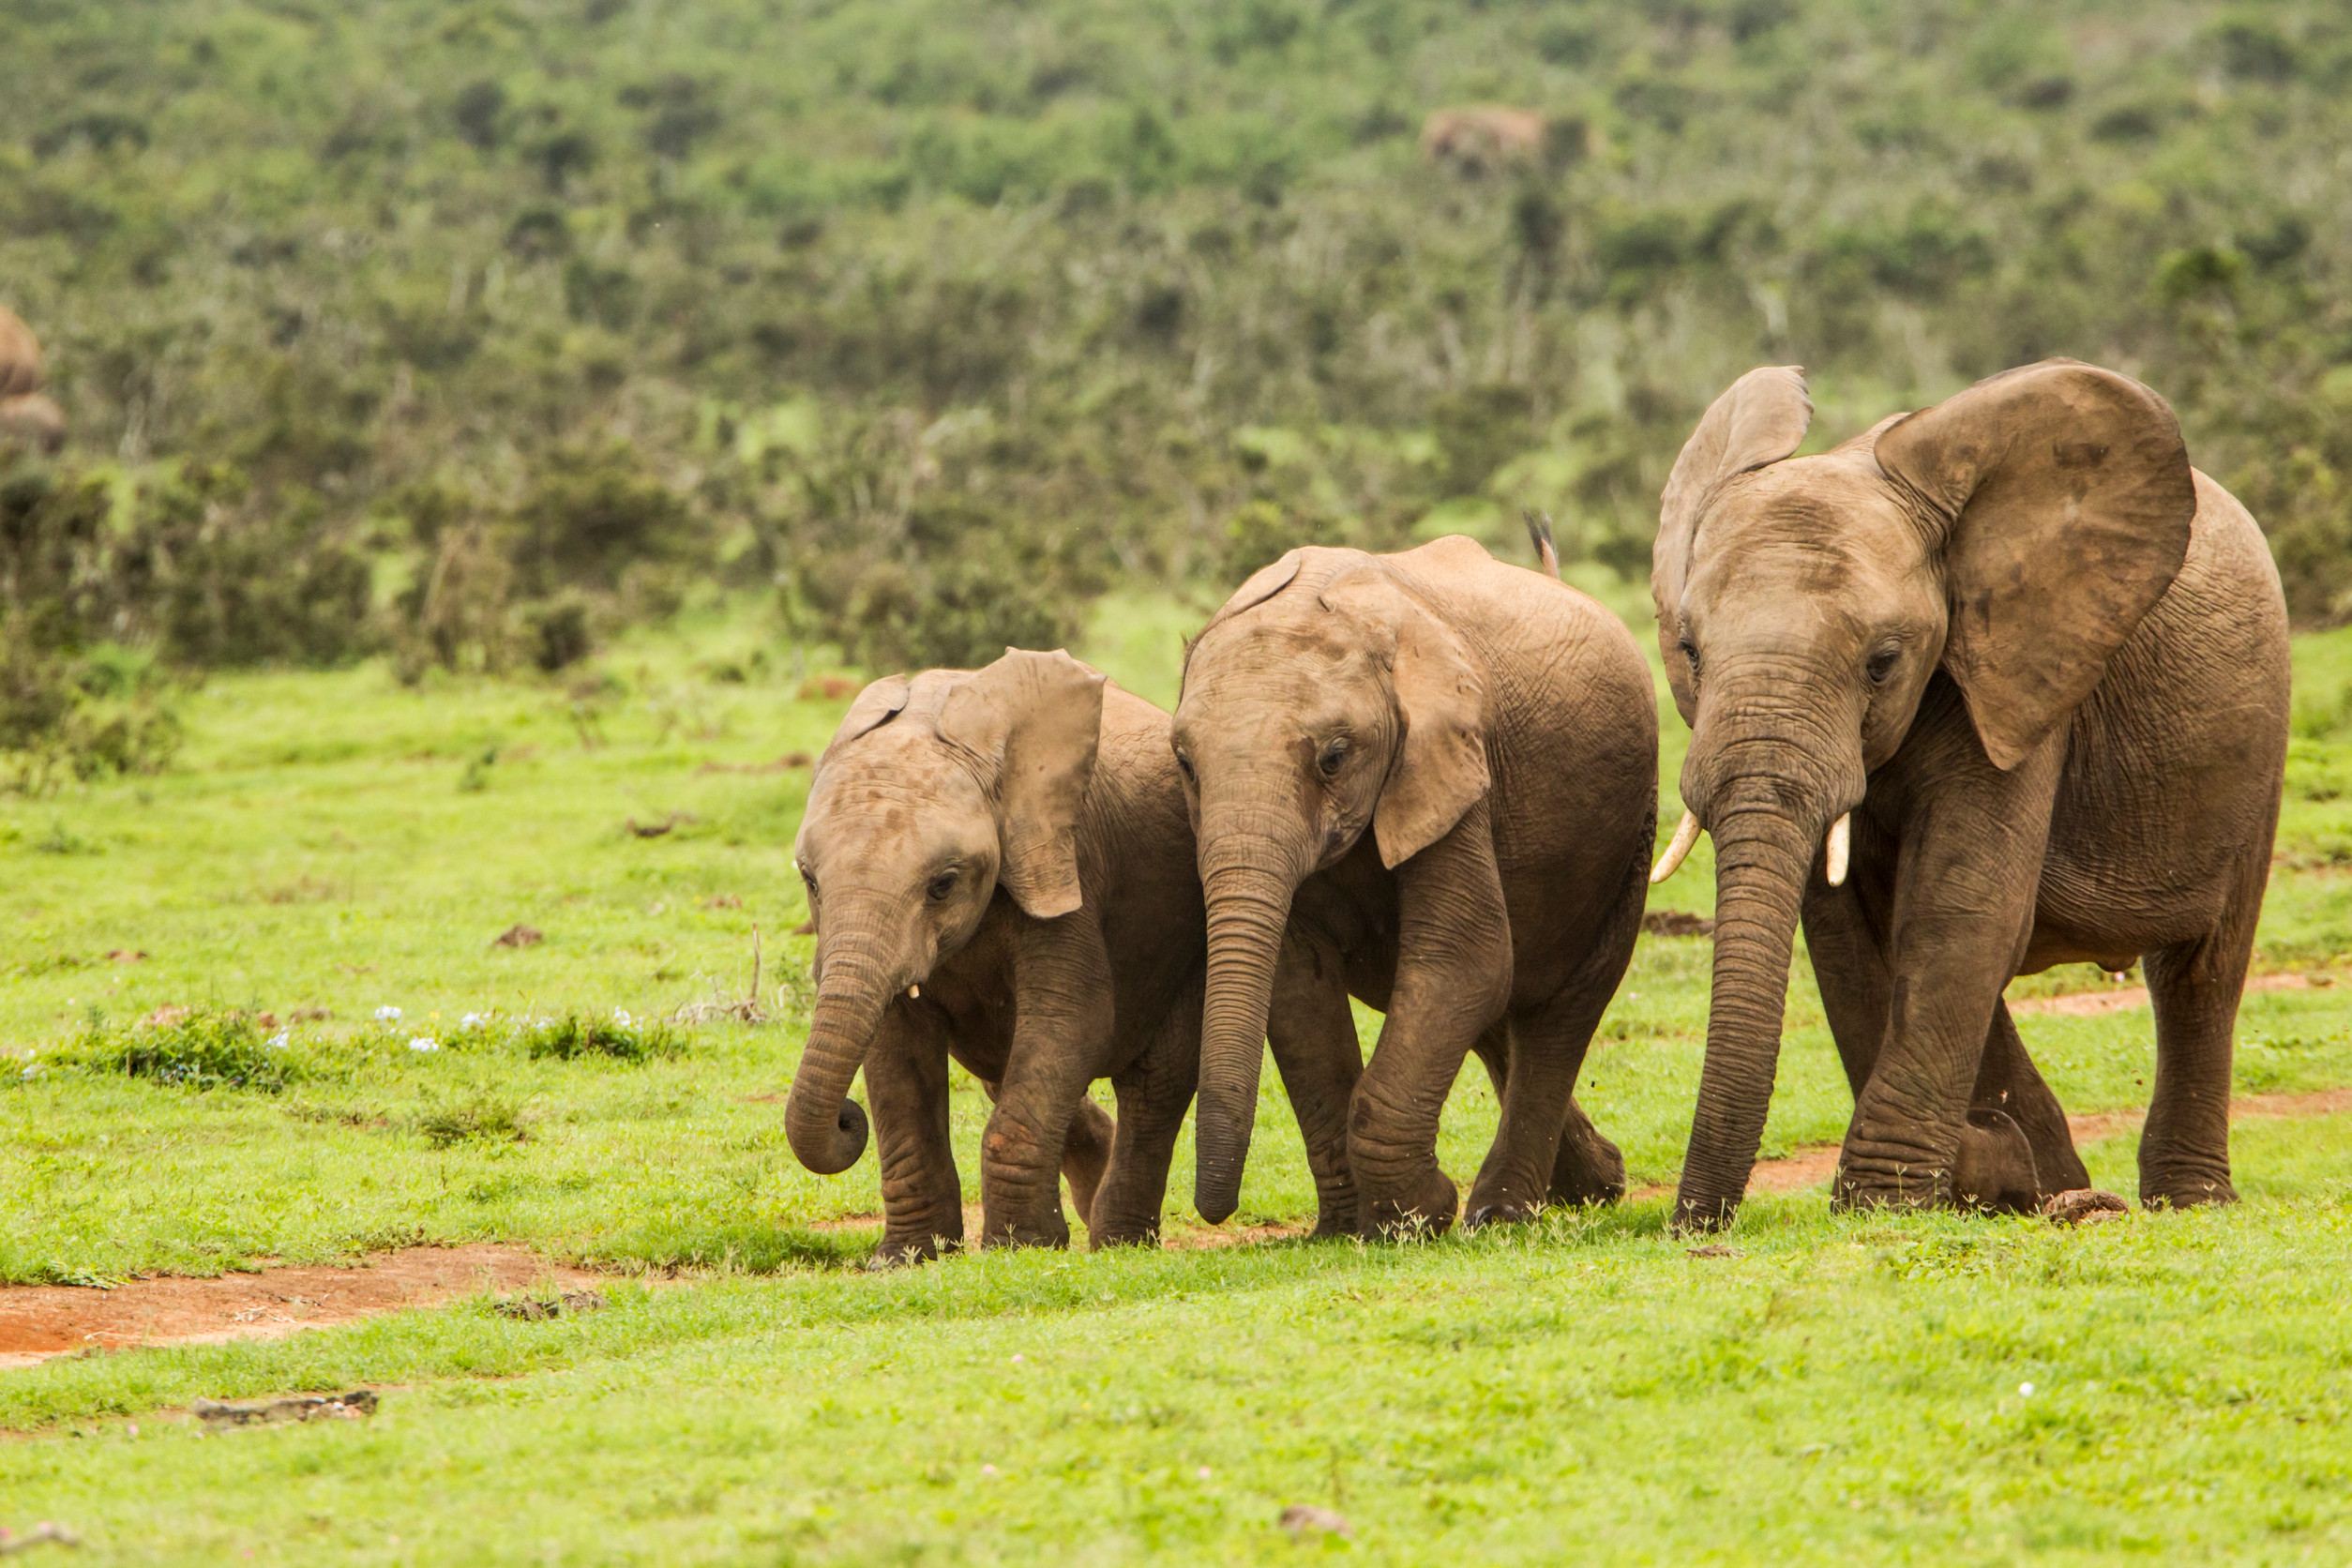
(1989, 687)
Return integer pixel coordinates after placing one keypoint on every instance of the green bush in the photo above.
(188, 1048)
(571, 1039)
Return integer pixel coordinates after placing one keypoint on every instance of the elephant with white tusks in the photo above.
(1990, 688)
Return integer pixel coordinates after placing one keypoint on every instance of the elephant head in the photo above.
(1324, 699)
(2010, 538)
(935, 792)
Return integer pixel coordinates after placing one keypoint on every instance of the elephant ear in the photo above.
(1440, 770)
(1036, 720)
(2067, 498)
(1759, 419)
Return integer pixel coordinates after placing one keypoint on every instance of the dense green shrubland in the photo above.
(938, 317)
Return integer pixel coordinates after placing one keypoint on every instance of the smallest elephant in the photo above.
(1000, 866)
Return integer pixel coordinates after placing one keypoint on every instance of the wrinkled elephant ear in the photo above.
(1439, 771)
(1038, 719)
(1759, 419)
(2069, 496)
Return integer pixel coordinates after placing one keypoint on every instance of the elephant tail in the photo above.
(1539, 533)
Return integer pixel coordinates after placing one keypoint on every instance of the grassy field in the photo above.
(1839, 1390)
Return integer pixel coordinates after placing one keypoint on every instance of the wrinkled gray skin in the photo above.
(1430, 780)
(1013, 842)
(2044, 663)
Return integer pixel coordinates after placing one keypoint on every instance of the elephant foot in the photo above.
(1040, 1230)
(1428, 1211)
(1123, 1235)
(898, 1252)
(1913, 1189)
(1589, 1170)
(1505, 1212)
(1994, 1169)
(2185, 1189)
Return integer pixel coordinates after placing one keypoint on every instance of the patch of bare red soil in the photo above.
(37, 1321)
(1814, 1165)
(2090, 1004)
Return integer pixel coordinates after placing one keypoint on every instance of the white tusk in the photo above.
(1685, 835)
(1841, 848)
(915, 993)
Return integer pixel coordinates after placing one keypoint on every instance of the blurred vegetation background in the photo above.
(469, 331)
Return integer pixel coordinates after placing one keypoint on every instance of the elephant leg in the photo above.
(2008, 1082)
(1060, 1033)
(1087, 1151)
(1312, 1030)
(1965, 884)
(1154, 1093)
(1545, 1149)
(1850, 959)
(1587, 1166)
(1453, 971)
(2195, 987)
(906, 1079)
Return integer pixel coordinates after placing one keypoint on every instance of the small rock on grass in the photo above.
(518, 935)
(537, 1309)
(2084, 1206)
(218, 1414)
(1716, 1249)
(1304, 1520)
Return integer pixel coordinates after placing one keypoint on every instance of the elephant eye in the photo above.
(1184, 764)
(942, 885)
(1882, 665)
(808, 878)
(1690, 653)
(1334, 754)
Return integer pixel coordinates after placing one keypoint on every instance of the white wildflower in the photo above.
(622, 1017)
(424, 1042)
(2025, 1391)
(387, 1014)
(475, 1021)
(278, 1041)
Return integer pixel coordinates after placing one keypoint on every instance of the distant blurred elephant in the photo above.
(1482, 137)
(1001, 871)
(26, 417)
(2023, 671)
(1430, 780)
(19, 356)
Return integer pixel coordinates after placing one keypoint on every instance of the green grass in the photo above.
(1844, 1390)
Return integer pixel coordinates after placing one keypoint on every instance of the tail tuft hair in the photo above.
(1539, 532)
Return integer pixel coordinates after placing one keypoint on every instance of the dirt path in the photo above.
(37, 1321)
(1814, 1165)
(2090, 1004)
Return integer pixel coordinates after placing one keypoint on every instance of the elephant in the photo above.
(26, 417)
(20, 370)
(999, 868)
(1427, 779)
(1992, 687)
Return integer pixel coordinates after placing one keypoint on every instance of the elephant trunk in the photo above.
(1764, 853)
(1248, 877)
(827, 1128)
